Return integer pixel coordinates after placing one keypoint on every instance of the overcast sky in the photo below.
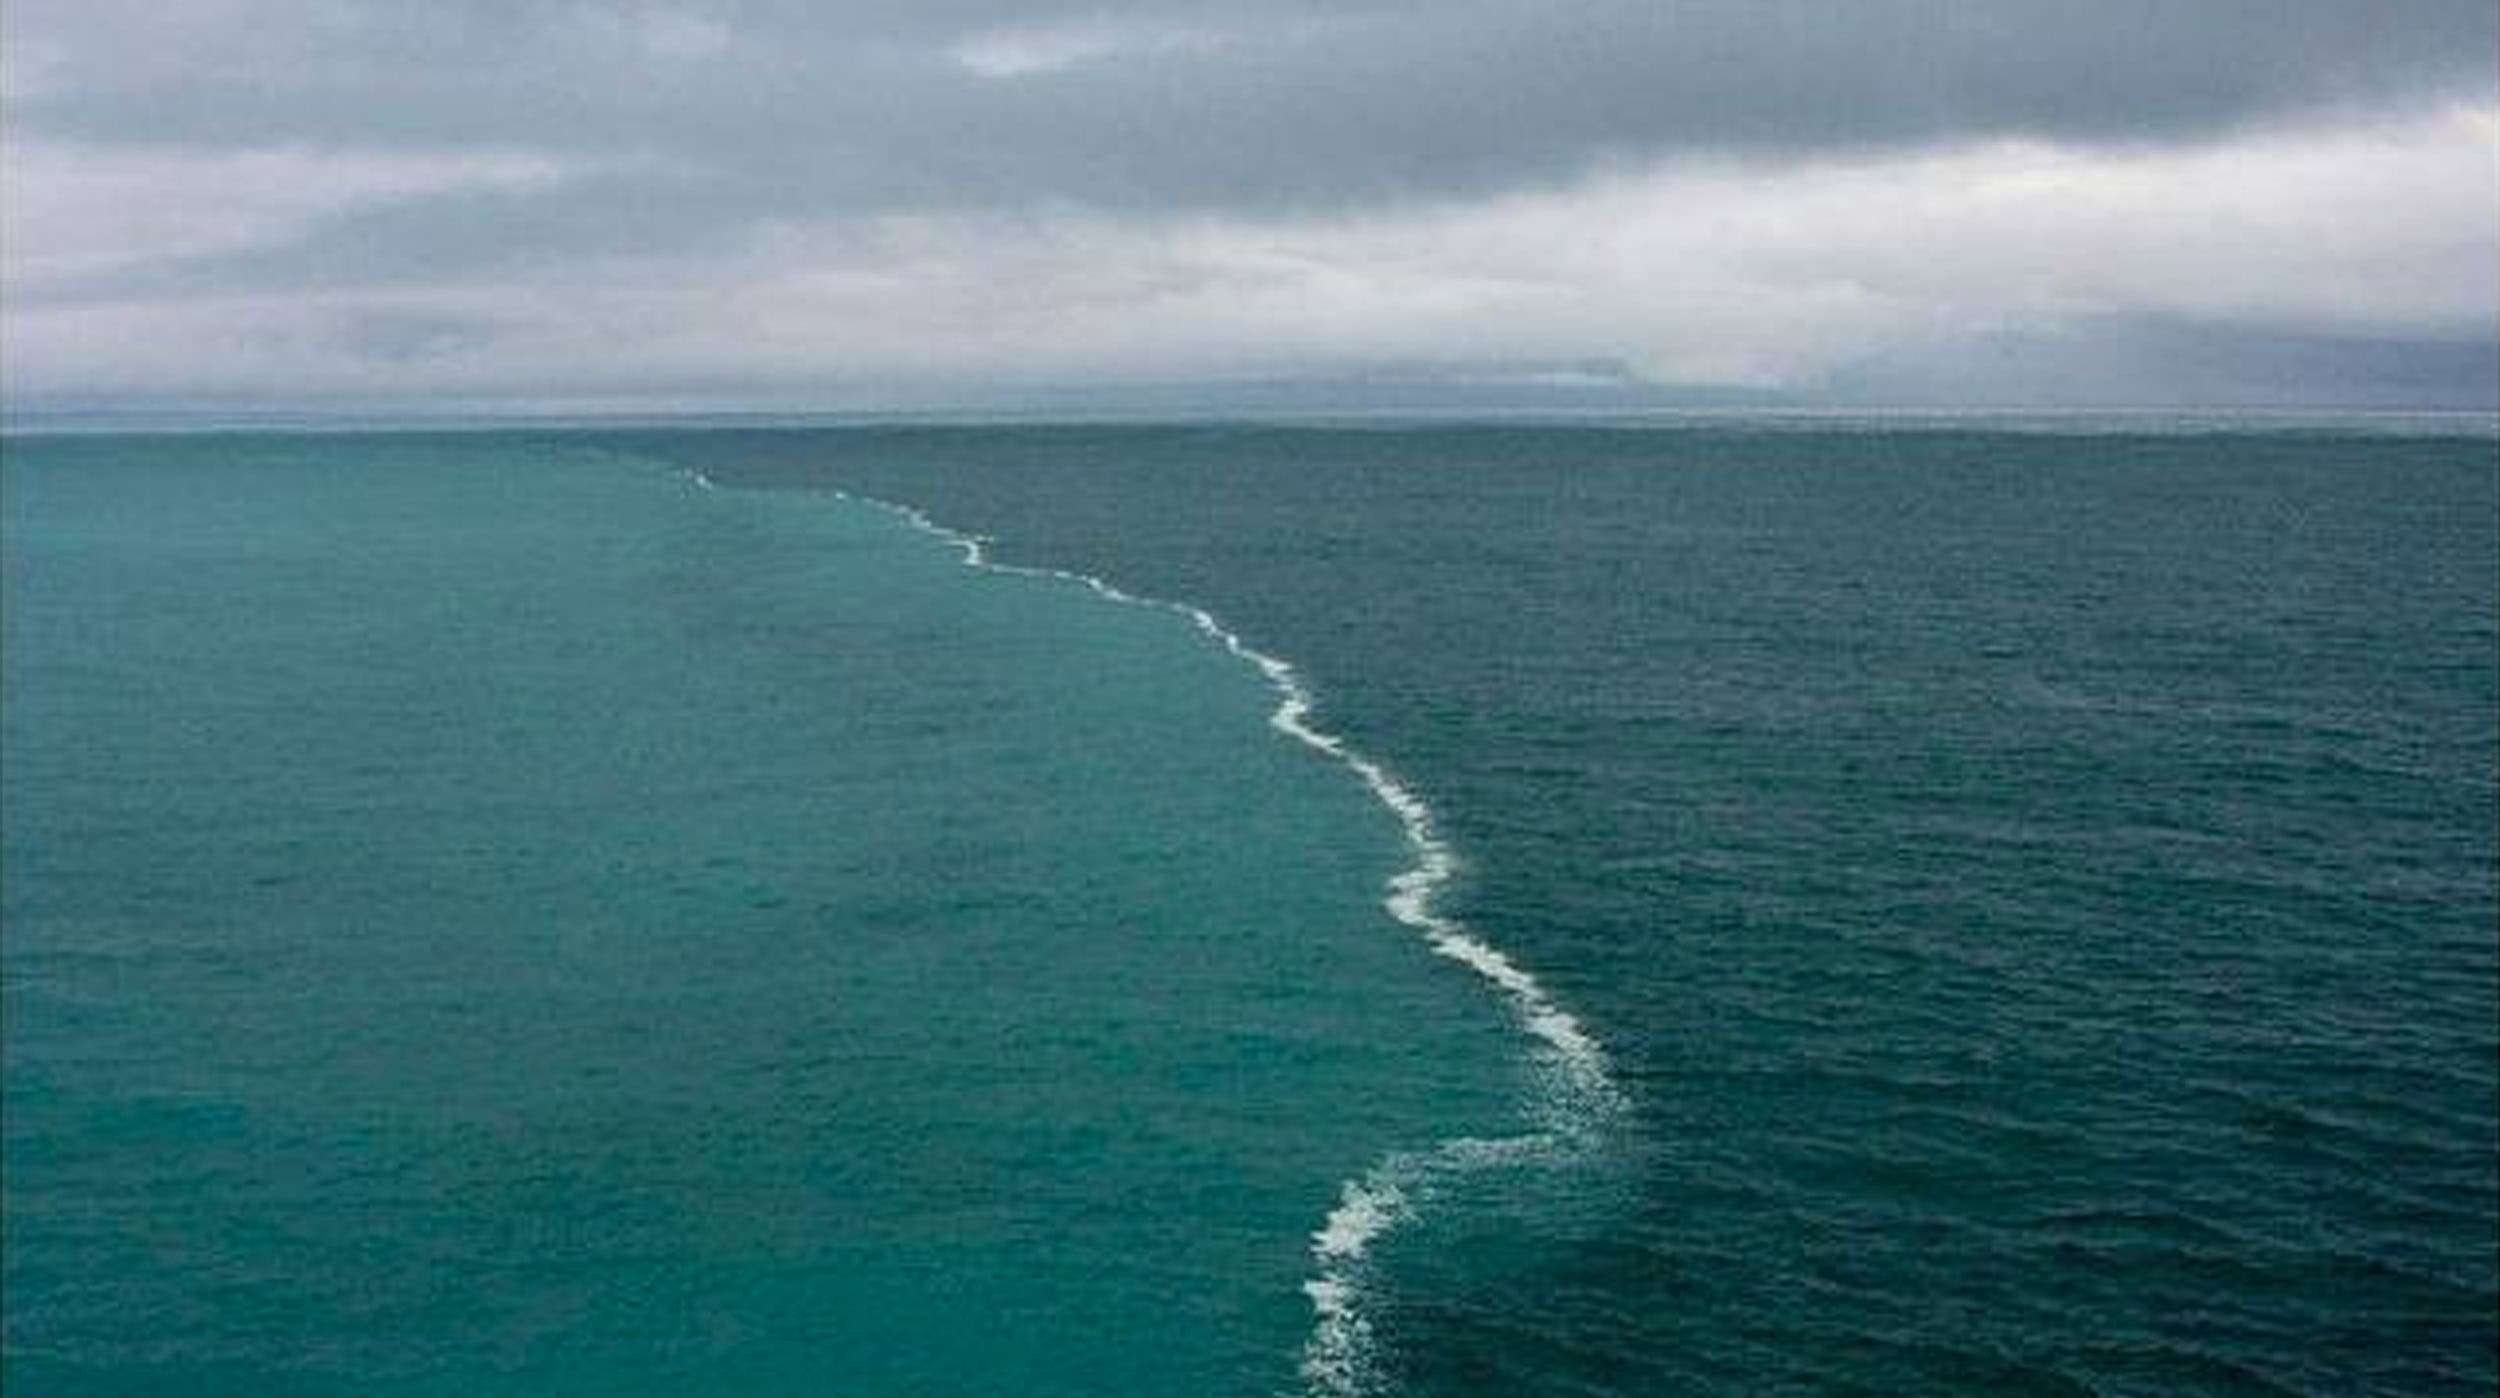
(781, 204)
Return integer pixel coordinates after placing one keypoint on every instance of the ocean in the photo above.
(1697, 906)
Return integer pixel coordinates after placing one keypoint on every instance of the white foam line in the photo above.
(1579, 1091)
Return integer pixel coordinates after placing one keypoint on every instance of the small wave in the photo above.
(1365, 1211)
(1578, 1094)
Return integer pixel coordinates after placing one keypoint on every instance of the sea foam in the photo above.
(1576, 1094)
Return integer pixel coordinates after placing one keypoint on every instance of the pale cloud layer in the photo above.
(725, 204)
(1027, 52)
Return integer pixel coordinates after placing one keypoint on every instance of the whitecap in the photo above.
(1577, 1091)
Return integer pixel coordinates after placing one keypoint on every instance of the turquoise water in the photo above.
(1922, 907)
(486, 916)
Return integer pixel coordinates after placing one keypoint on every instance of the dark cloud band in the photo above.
(1149, 106)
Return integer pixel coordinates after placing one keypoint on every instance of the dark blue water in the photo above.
(485, 913)
(2036, 886)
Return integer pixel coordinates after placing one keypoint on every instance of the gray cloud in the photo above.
(698, 191)
(855, 107)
